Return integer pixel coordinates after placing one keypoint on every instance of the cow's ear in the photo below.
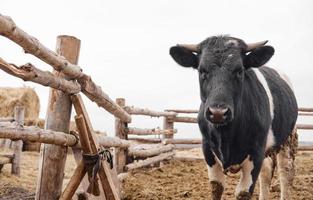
(184, 57)
(258, 57)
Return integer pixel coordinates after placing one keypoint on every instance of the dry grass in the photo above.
(174, 180)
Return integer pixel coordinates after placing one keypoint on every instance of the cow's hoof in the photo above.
(217, 190)
(243, 196)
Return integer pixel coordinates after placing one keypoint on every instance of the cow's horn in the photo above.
(191, 47)
(253, 46)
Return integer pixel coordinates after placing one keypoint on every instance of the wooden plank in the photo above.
(168, 124)
(80, 170)
(35, 134)
(105, 175)
(142, 152)
(146, 140)
(305, 113)
(29, 72)
(185, 119)
(305, 109)
(154, 131)
(305, 126)
(52, 158)
(182, 141)
(182, 111)
(120, 153)
(149, 161)
(7, 119)
(19, 113)
(145, 111)
(81, 191)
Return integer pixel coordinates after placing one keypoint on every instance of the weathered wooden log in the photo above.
(305, 126)
(108, 178)
(51, 168)
(83, 187)
(182, 110)
(35, 134)
(63, 64)
(168, 124)
(136, 151)
(95, 93)
(29, 72)
(19, 112)
(106, 141)
(187, 158)
(305, 148)
(7, 119)
(145, 111)
(80, 170)
(7, 156)
(301, 113)
(120, 153)
(74, 182)
(187, 146)
(149, 161)
(146, 140)
(185, 119)
(306, 109)
(182, 141)
(157, 131)
(32, 45)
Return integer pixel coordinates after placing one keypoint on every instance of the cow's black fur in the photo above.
(229, 81)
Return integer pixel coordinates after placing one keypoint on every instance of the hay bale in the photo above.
(25, 96)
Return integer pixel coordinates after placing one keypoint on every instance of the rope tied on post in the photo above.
(93, 163)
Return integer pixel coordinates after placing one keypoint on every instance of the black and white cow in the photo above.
(246, 109)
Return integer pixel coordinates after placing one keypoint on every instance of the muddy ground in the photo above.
(173, 180)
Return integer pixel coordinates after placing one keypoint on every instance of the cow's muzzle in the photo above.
(218, 115)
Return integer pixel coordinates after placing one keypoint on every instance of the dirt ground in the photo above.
(173, 180)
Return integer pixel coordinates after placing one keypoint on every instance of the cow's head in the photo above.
(221, 62)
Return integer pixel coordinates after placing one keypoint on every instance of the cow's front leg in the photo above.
(216, 173)
(249, 173)
(217, 178)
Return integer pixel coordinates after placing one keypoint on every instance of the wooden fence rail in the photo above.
(145, 111)
(31, 45)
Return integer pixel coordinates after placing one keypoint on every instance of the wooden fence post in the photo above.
(19, 112)
(168, 124)
(120, 153)
(53, 157)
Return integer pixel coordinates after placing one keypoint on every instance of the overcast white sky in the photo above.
(125, 46)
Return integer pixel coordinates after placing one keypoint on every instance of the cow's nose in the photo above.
(218, 115)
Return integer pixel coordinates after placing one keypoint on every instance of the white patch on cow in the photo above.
(263, 82)
(216, 171)
(270, 141)
(285, 78)
(270, 135)
(232, 42)
(246, 177)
